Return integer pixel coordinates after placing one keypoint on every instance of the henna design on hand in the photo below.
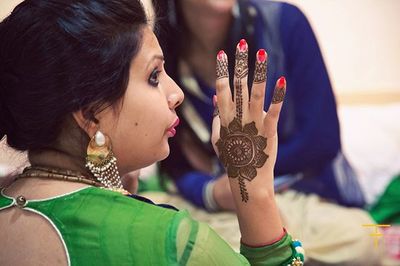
(241, 71)
(279, 95)
(243, 190)
(241, 62)
(280, 91)
(260, 73)
(239, 100)
(241, 151)
(222, 65)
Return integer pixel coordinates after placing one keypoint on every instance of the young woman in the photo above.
(84, 91)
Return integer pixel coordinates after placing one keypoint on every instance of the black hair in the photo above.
(61, 56)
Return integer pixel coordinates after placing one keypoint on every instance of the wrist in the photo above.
(209, 198)
(258, 199)
(261, 187)
(270, 242)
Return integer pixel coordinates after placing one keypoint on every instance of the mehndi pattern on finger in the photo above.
(260, 73)
(241, 62)
(241, 151)
(280, 91)
(241, 71)
(222, 65)
(239, 100)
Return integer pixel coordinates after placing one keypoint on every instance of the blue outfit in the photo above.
(309, 151)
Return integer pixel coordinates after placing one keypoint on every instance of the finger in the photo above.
(215, 104)
(223, 90)
(271, 119)
(216, 127)
(258, 88)
(240, 80)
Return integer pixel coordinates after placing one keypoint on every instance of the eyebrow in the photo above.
(157, 56)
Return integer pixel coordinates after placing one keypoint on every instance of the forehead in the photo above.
(149, 48)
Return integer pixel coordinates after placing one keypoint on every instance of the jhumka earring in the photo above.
(101, 161)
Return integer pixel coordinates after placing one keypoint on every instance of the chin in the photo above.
(165, 154)
(222, 6)
(161, 155)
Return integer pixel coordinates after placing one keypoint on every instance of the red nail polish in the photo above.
(281, 82)
(242, 45)
(220, 55)
(261, 55)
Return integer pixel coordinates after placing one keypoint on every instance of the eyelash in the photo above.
(153, 79)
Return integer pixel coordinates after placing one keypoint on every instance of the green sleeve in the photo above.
(198, 244)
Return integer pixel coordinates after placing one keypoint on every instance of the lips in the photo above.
(171, 130)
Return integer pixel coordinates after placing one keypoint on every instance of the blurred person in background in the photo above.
(309, 156)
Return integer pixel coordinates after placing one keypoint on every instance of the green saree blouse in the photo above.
(100, 227)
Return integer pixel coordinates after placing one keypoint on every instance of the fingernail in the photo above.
(261, 56)
(220, 55)
(214, 100)
(242, 45)
(281, 82)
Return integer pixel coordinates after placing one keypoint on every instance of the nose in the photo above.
(175, 97)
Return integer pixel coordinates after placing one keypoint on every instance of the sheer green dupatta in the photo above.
(198, 244)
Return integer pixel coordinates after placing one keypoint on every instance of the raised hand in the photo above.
(244, 134)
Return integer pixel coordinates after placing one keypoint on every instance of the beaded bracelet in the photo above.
(298, 253)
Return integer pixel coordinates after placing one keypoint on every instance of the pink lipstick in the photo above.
(171, 131)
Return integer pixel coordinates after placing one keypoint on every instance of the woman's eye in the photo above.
(153, 79)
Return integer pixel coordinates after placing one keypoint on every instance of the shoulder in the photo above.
(106, 208)
(137, 226)
(292, 16)
(127, 205)
(291, 9)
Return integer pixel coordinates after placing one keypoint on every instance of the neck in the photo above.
(205, 45)
(208, 38)
(202, 47)
(200, 54)
(68, 152)
(53, 158)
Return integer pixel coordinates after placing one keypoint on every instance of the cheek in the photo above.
(141, 140)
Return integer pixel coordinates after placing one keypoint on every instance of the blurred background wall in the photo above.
(6, 6)
(360, 40)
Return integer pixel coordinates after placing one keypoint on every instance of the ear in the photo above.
(87, 125)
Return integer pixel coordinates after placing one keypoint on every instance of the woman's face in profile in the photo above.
(147, 117)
